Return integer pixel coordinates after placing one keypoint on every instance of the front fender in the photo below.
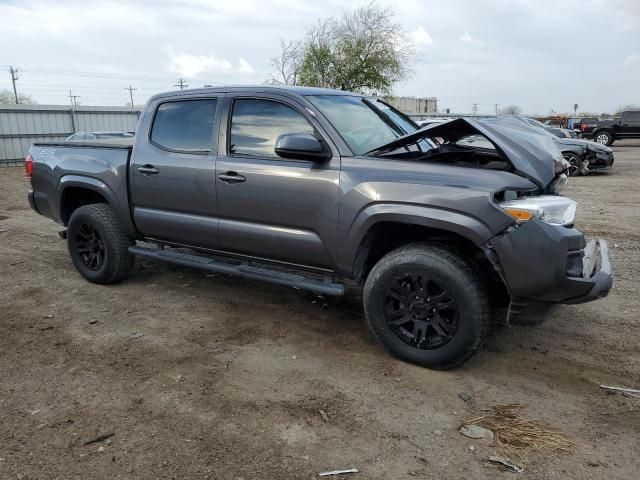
(461, 224)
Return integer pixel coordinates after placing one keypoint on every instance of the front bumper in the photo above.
(596, 268)
(599, 160)
(551, 263)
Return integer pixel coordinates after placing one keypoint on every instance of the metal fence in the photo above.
(22, 125)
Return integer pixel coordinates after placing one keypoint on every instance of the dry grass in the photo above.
(517, 436)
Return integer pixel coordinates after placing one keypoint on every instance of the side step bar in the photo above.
(326, 286)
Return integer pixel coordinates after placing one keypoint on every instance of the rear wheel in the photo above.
(603, 137)
(97, 244)
(427, 305)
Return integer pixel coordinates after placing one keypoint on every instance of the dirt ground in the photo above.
(201, 376)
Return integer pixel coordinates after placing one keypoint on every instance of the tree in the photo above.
(8, 98)
(363, 50)
(286, 66)
(511, 110)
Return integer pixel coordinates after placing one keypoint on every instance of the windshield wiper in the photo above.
(385, 118)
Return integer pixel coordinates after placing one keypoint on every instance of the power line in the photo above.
(74, 99)
(182, 83)
(14, 77)
(131, 89)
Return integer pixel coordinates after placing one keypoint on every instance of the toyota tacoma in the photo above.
(444, 229)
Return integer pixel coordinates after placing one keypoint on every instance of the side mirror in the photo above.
(301, 146)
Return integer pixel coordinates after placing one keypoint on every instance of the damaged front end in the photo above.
(484, 144)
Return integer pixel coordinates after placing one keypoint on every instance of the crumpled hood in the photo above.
(531, 155)
(588, 144)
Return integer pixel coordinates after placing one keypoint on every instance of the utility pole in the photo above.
(131, 89)
(74, 99)
(496, 105)
(474, 108)
(182, 83)
(14, 77)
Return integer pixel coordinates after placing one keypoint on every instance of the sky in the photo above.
(544, 56)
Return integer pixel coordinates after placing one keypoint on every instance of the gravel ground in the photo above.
(201, 376)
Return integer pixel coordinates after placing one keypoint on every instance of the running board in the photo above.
(325, 286)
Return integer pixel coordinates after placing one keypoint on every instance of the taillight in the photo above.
(583, 127)
(28, 165)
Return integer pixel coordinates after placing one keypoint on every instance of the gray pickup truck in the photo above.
(444, 229)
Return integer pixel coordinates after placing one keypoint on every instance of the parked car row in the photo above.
(584, 156)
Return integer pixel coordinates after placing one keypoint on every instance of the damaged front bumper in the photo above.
(598, 160)
(547, 263)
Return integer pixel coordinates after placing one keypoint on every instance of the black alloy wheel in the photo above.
(90, 246)
(421, 312)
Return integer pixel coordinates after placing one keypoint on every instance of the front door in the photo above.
(173, 173)
(271, 207)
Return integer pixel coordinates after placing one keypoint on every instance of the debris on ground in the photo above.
(338, 472)
(515, 434)
(506, 463)
(465, 397)
(324, 415)
(631, 392)
(93, 322)
(99, 438)
(476, 432)
(136, 335)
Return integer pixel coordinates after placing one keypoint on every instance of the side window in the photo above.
(633, 117)
(256, 124)
(185, 125)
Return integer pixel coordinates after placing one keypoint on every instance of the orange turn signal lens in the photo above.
(518, 214)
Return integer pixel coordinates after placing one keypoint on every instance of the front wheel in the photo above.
(427, 305)
(97, 244)
(575, 164)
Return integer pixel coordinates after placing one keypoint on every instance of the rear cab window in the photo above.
(185, 125)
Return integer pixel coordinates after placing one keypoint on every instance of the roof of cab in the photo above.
(295, 90)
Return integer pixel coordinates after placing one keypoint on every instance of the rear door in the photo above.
(271, 207)
(173, 173)
(630, 125)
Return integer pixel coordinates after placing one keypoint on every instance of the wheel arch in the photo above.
(383, 228)
(75, 191)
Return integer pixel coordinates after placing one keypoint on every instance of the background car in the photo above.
(83, 136)
(557, 131)
(584, 156)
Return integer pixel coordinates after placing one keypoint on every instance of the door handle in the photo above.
(232, 177)
(148, 170)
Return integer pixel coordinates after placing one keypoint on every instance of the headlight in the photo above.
(548, 208)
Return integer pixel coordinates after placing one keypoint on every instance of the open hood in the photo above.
(532, 156)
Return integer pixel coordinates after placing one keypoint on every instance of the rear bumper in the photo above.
(553, 264)
(32, 202)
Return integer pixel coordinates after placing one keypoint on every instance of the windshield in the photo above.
(364, 124)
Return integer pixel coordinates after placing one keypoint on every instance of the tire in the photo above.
(97, 244)
(603, 137)
(451, 287)
(575, 164)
